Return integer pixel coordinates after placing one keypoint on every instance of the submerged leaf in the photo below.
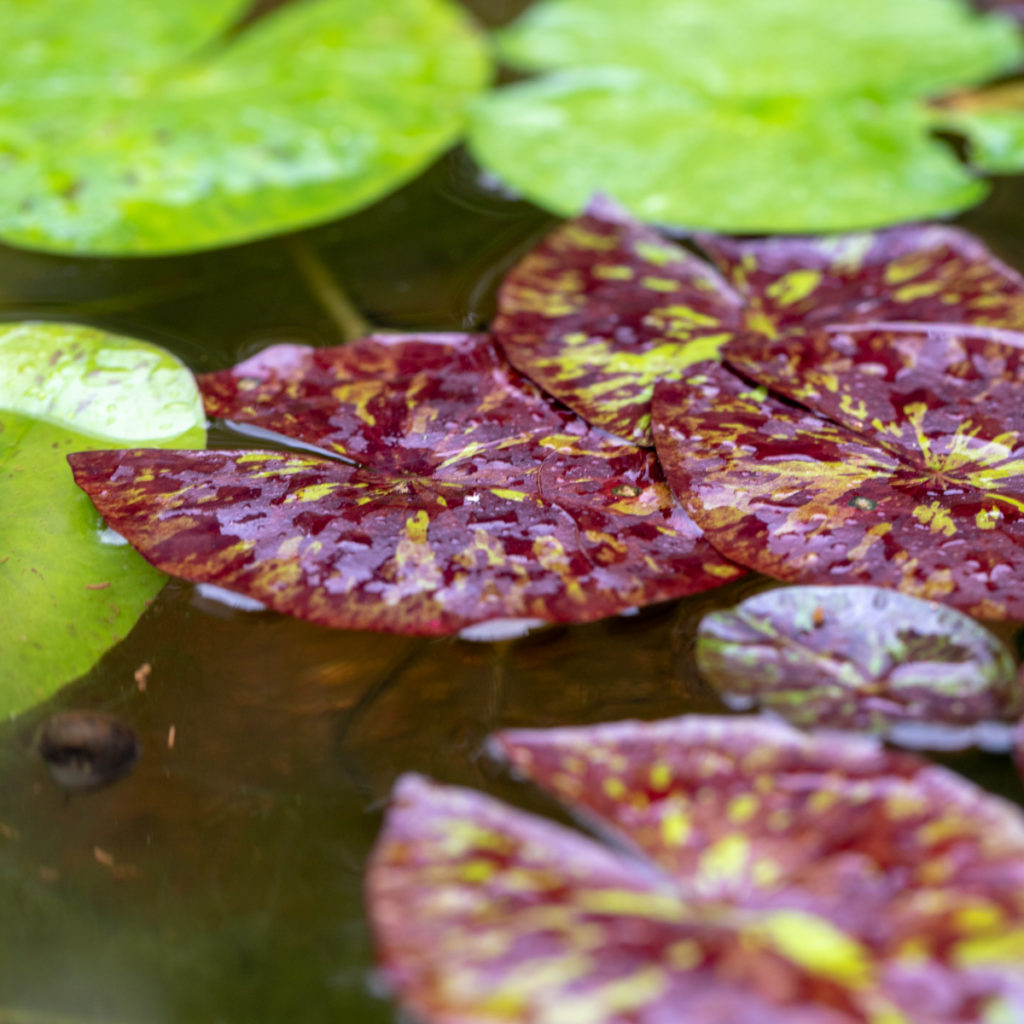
(902, 467)
(672, 120)
(604, 307)
(864, 658)
(442, 491)
(67, 592)
(197, 137)
(767, 876)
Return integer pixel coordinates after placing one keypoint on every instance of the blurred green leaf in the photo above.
(740, 116)
(139, 128)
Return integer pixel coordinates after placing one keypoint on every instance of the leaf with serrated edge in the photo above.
(604, 307)
(864, 658)
(443, 491)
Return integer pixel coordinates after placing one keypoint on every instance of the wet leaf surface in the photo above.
(197, 137)
(604, 307)
(68, 592)
(864, 658)
(918, 47)
(906, 474)
(464, 495)
(670, 121)
(841, 883)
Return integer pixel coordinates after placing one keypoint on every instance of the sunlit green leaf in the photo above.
(68, 591)
(141, 128)
(677, 158)
(740, 115)
(780, 47)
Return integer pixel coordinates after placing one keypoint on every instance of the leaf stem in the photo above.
(326, 290)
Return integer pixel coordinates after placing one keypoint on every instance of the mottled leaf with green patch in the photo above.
(757, 875)
(604, 307)
(861, 657)
(902, 466)
(443, 491)
(133, 128)
(69, 593)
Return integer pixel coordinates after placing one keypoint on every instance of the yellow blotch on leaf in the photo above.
(987, 518)
(937, 517)
(675, 828)
(613, 272)
(725, 860)
(314, 492)
(794, 286)
(816, 944)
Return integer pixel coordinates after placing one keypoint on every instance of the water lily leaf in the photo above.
(443, 490)
(194, 139)
(901, 468)
(671, 121)
(683, 159)
(927, 273)
(68, 594)
(869, 885)
(604, 307)
(864, 658)
(754, 49)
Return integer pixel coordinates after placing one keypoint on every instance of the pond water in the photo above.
(221, 880)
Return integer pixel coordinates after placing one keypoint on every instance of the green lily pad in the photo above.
(779, 47)
(68, 589)
(194, 140)
(859, 657)
(671, 122)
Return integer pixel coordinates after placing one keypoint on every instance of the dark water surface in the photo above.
(221, 879)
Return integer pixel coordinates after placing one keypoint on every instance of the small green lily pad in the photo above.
(138, 128)
(860, 657)
(68, 588)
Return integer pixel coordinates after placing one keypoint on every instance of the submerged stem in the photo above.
(326, 289)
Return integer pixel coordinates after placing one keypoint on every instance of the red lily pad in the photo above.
(925, 273)
(902, 467)
(605, 307)
(864, 658)
(765, 876)
(442, 491)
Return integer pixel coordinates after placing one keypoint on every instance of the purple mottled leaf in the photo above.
(901, 466)
(441, 491)
(864, 658)
(757, 874)
(604, 307)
